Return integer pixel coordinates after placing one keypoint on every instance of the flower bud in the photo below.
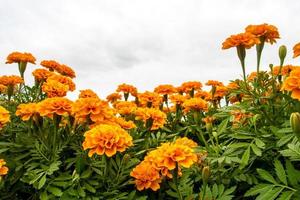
(295, 123)
(282, 53)
(205, 174)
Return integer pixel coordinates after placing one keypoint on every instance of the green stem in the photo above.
(176, 182)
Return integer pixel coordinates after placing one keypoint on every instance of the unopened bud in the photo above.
(205, 174)
(282, 53)
(295, 123)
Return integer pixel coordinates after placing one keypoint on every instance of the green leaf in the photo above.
(266, 176)
(42, 182)
(285, 139)
(256, 190)
(86, 174)
(55, 191)
(259, 143)
(222, 127)
(271, 194)
(255, 149)
(286, 195)
(280, 172)
(245, 158)
(291, 173)
(238, 145)
(44, 196)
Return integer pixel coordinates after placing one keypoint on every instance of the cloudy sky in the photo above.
(142, 42)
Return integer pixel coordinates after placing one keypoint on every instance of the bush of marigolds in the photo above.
(234, 141)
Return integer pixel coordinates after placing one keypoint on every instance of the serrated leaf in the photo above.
(55, 191)
(245, 158)
(238, 145)
(259, 143)
(255, 149)
(271, 194)
(215, 191)
(291, 173)
(286, 195)
(42, 182)
(266, 176)
(222, 127)
(285, 139)
(263, 195)
(280, 172)
(256, 190)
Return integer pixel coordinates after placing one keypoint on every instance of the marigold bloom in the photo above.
(65, 71)
(296, 50)
(17, 57)
(292, 83)
(64, 80)
(233, 86)
(52, 65)
(26, 111)
(165, 89)
(268, 32)
(220, 92)
(11, 80)
(57, 105)
(88, 93)
(125, 107)
(191, 85)
(54, 88)
(208, 119)
(157, 117)
(125, 124)
(214, 83)
(113, 97)
(146, 176)
(246, 40)
(240, 117)
(197, 104)
(285, 70)
(150, 99)
(177, 99)
(41, 74)
(202, 94)
(252, 76)
(92, 109)
(3, 168)
(127, 89)
(4, 117)
(106, 139)
(3, 89)
(186, 141)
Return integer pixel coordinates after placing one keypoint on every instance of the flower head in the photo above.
(165, 89)
(88, 93)
(106, 139)
(3, 168)
(187, 87)
(150, 99)
(197, 104)
(41, 74)
(26, 111)
(267, 31)
(4, 117)
(113, 97)
(57, 105)
(17, 57)
(11, 80)
(156, 117)
(64, 80)
(296, 50)
(127, 89)
(246, 40)
(54, 88)
(65, 71)
(125, 107)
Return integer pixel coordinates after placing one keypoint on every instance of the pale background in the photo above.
(142, 42)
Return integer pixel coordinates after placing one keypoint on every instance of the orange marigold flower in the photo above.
(3, 89)
(54, 88)
(106, 139)
(202, 94)
(66, 71)
(11, 80)
(17, 57)
(125, 124)
(125, 107)
(88, 93)
(113, 97)
(146, 176)
(57, 105)
(233, 86)
(41, 74)
(4, 117)
(190, 85)
(292, 83)
(197, 104)
(208, 119)
(165, 89)
(186, 141)
(157, 117)
(127, 89)
(214, 83)
(3, 168)
(52, 65)
(26, 111)
(64, 80)
(92, 109)
(149, 99)
(220, 92)
(177, 99)
(285, 70)
(296, 50)
(268, 32)
(246, 40)
(252, 76)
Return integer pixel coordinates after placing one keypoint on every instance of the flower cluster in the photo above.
(160, 162)
(292, 83)
(152, 117)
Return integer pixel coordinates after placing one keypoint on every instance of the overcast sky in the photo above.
(142, 42)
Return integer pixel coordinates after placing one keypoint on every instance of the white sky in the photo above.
(142, 42)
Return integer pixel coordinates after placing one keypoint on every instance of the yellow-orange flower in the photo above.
(233, 86)
(64, 80)
(252, 76)
(11, 80)
(92, 109)
(165, 89)
(246, 40)
(220, 92)
(177, 99)
(17, 57)
(88, 93)
(125, 124)
(202, 94)
(66, 71)
(106, 139)
(186, 141)
(296, 50)
(208, 119)
(268, 32)
(157, 117)
(3, 168)
(214, 83)
(196, 104)
(54, 88)
(113, 97)
(4, 117)
(41, 74)
(127, 89)
(57, 105)
(190, 85)
(52, 65)
(26, 111)
(3, 89)
(146, 176)
(285, 70)
(149, 99)
(125, 107)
